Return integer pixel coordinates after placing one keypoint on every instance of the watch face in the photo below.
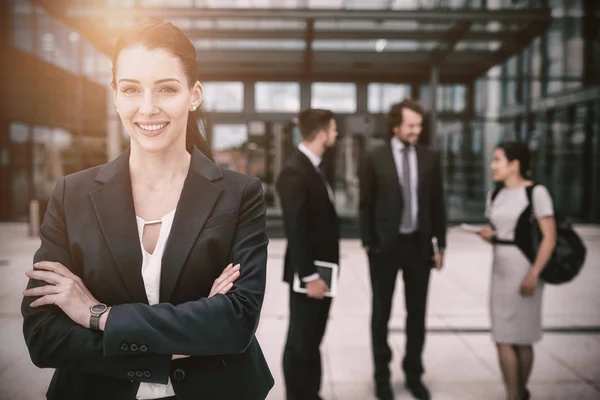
(99, 308)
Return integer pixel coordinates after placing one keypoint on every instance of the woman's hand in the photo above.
(225, 281)
(64, 289)
(221, 285)
(487, 233)
(529, 284)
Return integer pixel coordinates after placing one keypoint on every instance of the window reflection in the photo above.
(382, 95)
(223, 96)
(277, 97)
(337, 97)
(22, 25)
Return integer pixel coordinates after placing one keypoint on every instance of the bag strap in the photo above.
(529, 190)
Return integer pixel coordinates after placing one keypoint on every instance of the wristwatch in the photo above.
(96, 311)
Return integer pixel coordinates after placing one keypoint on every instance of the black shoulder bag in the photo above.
(569, 254)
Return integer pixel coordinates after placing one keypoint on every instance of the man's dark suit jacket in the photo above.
(381, 201)
(90, 227)
(310, 221)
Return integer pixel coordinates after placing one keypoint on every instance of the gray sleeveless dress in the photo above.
(515, 319)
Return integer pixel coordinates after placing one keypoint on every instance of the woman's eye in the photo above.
(129, 90)
(168, 89)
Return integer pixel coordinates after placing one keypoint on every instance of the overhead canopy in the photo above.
(388, 42)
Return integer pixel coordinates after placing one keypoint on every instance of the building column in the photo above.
(491, 131)
(362, 98)
(433, 85)
(305, 94)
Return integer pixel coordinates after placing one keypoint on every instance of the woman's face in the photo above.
(153, 98)
(502, 168)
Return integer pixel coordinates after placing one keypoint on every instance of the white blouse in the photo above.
(151, 267)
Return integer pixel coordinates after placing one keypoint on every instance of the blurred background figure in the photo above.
(402, 210)
(312, 232)
(516, 291)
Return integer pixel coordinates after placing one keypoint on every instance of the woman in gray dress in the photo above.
(516, 290)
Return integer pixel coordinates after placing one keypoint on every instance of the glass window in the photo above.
(45, 38)
(481, 95)
(223, 96)
(22, 24)
(277, 97)
(449, 98)
(250, 44)
(574, 57)
(89, 60)
(19, 182)
(66, 53)
(337, 97)
(103, 75)
(228, 144)
(382, 95)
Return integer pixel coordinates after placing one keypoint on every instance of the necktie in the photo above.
(407, 218)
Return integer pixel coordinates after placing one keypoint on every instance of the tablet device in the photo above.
(470, 228)
(327, 271)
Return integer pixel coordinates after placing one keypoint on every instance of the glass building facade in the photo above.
(547, 94)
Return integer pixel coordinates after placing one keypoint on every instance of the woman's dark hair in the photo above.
(520, 152)
(159, 34)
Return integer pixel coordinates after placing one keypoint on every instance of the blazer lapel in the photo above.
(113, 203)
(198, 198)
(312, 171)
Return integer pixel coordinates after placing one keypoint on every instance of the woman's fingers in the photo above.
(46, 300)
(228, 281)
(46, 276)
(227, 288)
(224, 274)
(41, 291)
(55, 267)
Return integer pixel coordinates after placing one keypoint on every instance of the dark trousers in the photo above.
(302, 356)
(415, 271)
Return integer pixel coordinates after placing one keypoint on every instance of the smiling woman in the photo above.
(150, 277)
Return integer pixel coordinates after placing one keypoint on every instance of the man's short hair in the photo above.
(312, 121)
(394, 117)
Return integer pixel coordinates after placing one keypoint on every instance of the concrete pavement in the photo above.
(459, 356)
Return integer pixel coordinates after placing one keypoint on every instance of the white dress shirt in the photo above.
(315, 161)
(397, 149)
(151, 267)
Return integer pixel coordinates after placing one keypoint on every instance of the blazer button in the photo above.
(178, 375)
(124, 347)
(147, 374)
(131, 374)
(133, 347)
(139, 374)
(143, 348)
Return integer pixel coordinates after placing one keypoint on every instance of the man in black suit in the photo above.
(312, 231)
(401, 210)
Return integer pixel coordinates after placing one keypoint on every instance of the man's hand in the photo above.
(487, 233)
(316, 289)
(439, 261)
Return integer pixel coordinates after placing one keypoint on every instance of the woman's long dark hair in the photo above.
(159, 34)
(520, 152)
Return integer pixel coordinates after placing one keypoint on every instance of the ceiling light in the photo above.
(380, 45)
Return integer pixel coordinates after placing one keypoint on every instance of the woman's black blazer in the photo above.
(90, 227)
